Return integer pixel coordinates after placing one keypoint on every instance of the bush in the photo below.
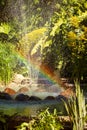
(67, 50)
(7, 62)
(45, 121)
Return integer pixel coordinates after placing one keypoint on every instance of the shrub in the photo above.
(7, 62)
(45, 121)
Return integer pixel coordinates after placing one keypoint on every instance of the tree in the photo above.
(68, 37)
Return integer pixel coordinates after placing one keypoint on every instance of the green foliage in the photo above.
(27, 15)
(5, 28)
(45, 121)
(64, 47)
(29, 44)
(68, 35)
(8, 33)
(7, 62)
(76, 109)
(2, 5)
(10, 63)
(21, 65)
(10, 60)
(2, 2)
(36, 1)
(4, 120)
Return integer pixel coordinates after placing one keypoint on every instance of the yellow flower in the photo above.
(82, 37)
(74, 21)
(85, 29)
(72, 35)
(72, 44)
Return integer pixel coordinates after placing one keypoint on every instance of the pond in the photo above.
(41, 95)
(31, 108)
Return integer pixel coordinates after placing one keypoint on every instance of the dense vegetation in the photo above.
(53, 32)
(68, 40)
(45, 120)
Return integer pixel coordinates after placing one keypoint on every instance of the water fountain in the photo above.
(39, 86)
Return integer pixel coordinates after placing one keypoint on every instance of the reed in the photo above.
(76, 108)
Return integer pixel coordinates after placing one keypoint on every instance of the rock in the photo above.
(54, 88)
(23, 90)
(40, 90)
(60, 98)
(2, 87)
(26, 81)
(68, 85)
(33, 87)
(5, 96)
(44, 81)
(18, 78)
(34, 98)
(13, 85)
(67, 93)
(50, 98)
(10, 91)
(22, 97)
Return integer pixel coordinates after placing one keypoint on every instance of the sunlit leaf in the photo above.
(5, 28)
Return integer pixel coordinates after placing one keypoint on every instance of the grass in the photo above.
(76, 108)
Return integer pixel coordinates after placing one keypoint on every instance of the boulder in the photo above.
(22, 97)
(26, 81)
(18, 78)
(60, 98)
(34, 98)
(13, 85)
(10, 91)
(5, 96)
(23, 90)
(67, 93)
(49, 98)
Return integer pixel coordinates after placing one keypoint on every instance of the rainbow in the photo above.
(44, 70)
